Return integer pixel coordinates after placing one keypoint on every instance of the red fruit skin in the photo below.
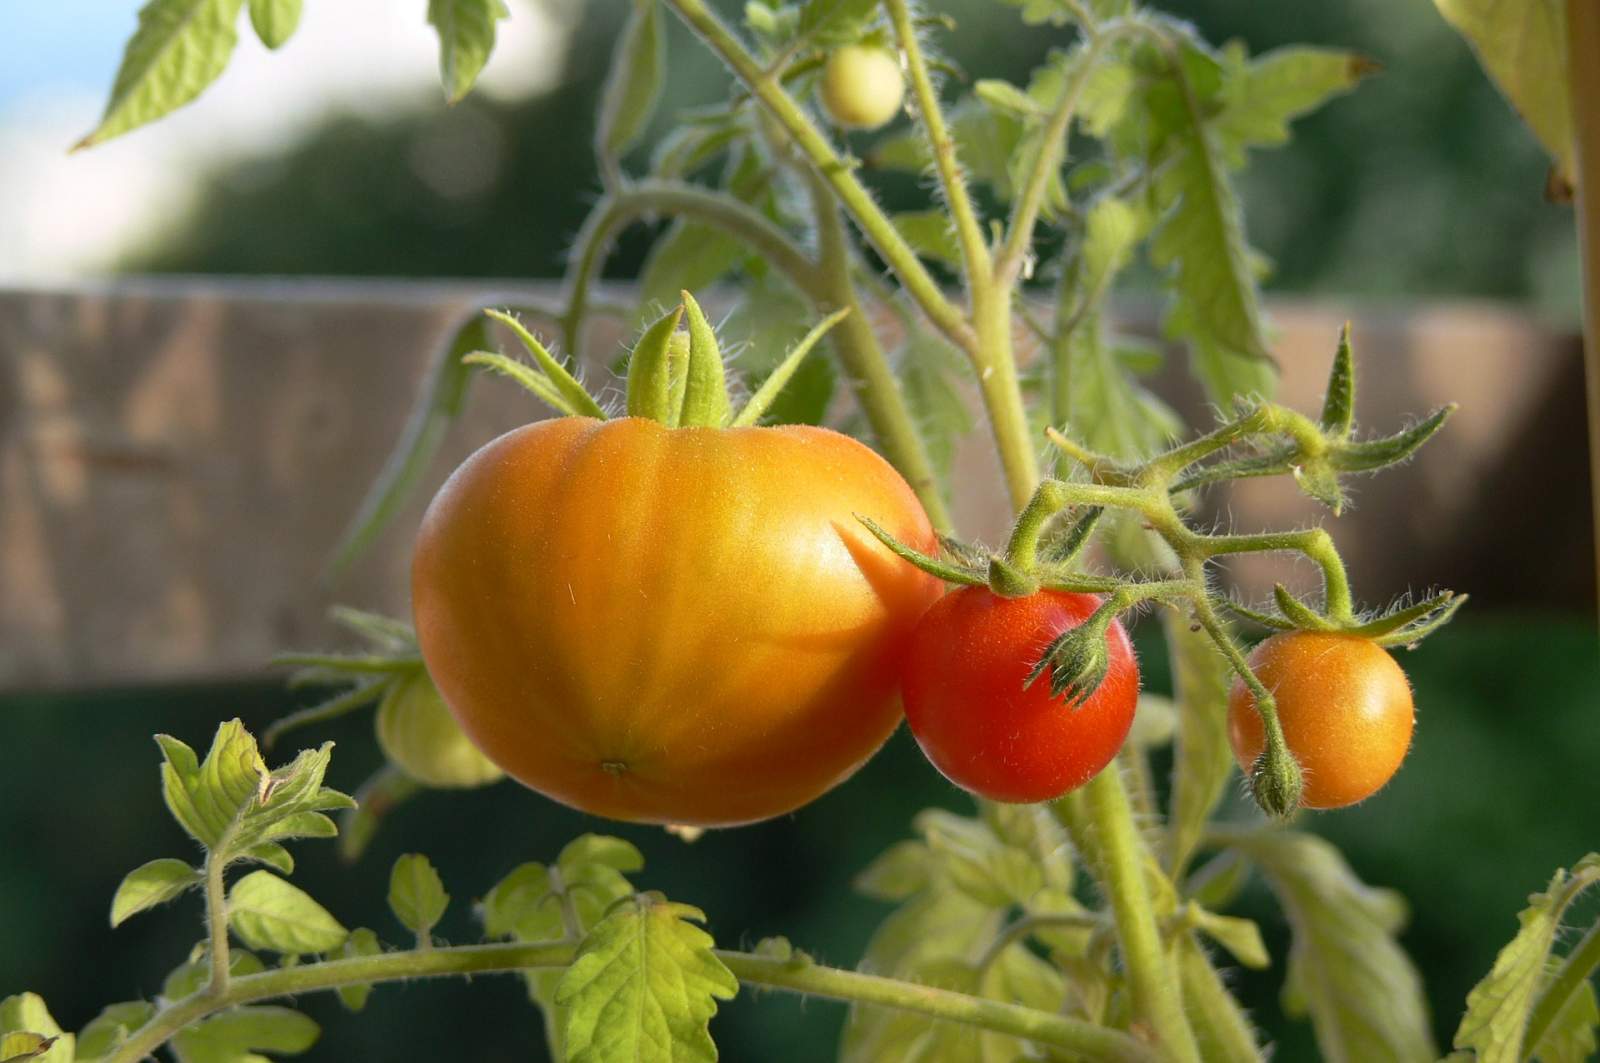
(965, 700)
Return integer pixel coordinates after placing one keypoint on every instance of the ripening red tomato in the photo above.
(1345, 707)
(966, 702)
(671, 625)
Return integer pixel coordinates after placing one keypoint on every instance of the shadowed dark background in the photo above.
(1419, 184)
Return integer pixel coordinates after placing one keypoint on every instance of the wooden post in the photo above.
(1583, 68)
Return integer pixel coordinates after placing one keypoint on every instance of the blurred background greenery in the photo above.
(1420, 184)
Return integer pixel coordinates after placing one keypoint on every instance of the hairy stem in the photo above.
(1122, 865)
(865, 363)
(1580, 963)
(952, 183)
(806, 978)
(679, 199)
(217, 922)
(839, 174)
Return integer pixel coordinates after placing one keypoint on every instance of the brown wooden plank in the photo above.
(178, 458)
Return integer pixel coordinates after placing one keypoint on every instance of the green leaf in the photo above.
(20, 1047)
(644, 986)
(1339, 401)
(1260, 98)
(444, 393)
(836, 21)
(155, 883)
(235, 1035)
(989, 870)
(26, 1013)
(1223, 1033)
(180, 47)
(207, 798)
(268, 913)
(517, 906)
(466, 37)
(600, 849)
(1006, 97)
(1107, 408)
(1498, 1007)
(1345, 967)
(234, 806)
(1203, 761)
(361, 942)
(1241, 937)
(930, 234)
(1571, 1036)
(765, 323)
(275, 20)
(111, 1027)
(188, 978)
(638, 70)
(929, 371)
(1523, 46)
(416, 895)
(786, 370)
(1201, 241)
(899, 871)
(689, 255)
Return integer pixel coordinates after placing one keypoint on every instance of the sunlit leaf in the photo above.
(644, 986)
(466, 37)
(269, 913)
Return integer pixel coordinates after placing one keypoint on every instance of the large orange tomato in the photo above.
(671, 625)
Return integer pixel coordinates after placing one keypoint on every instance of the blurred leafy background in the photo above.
(1420, 184)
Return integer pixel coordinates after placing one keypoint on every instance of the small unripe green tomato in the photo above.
(862, 87)
(421, 738)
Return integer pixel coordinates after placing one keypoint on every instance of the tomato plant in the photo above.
(1345, 707)
(975, 705)
(670, 625)
(688, 616)
(862, 87)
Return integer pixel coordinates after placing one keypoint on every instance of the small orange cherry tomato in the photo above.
(1345, 707)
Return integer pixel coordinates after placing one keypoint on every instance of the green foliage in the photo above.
(155, 883)
(1499, 1008)
(644, 986)
(361, 942)
(443, 395)
(466, 31)
(28, 1032)
(231, 804)
(275, 20)
(1523, 46)
(180, 47)
(269, 913)
(638, 71)
(111, 1027)
(1346, 971)
(238, 1034)
(416, 894)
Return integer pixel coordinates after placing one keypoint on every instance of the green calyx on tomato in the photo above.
(973, 705)
(675, 377)
(414, 729)
(670, 617)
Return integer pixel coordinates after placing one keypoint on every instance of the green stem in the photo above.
(682, 199)
(975, 258)
(1578, 966)
(806, 978)
(1583, 73)
(839, 174)
(217, 918)
(1222, 1029)
(996, 367)
(1122, 863)
(1314, 543)
(871, 377)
